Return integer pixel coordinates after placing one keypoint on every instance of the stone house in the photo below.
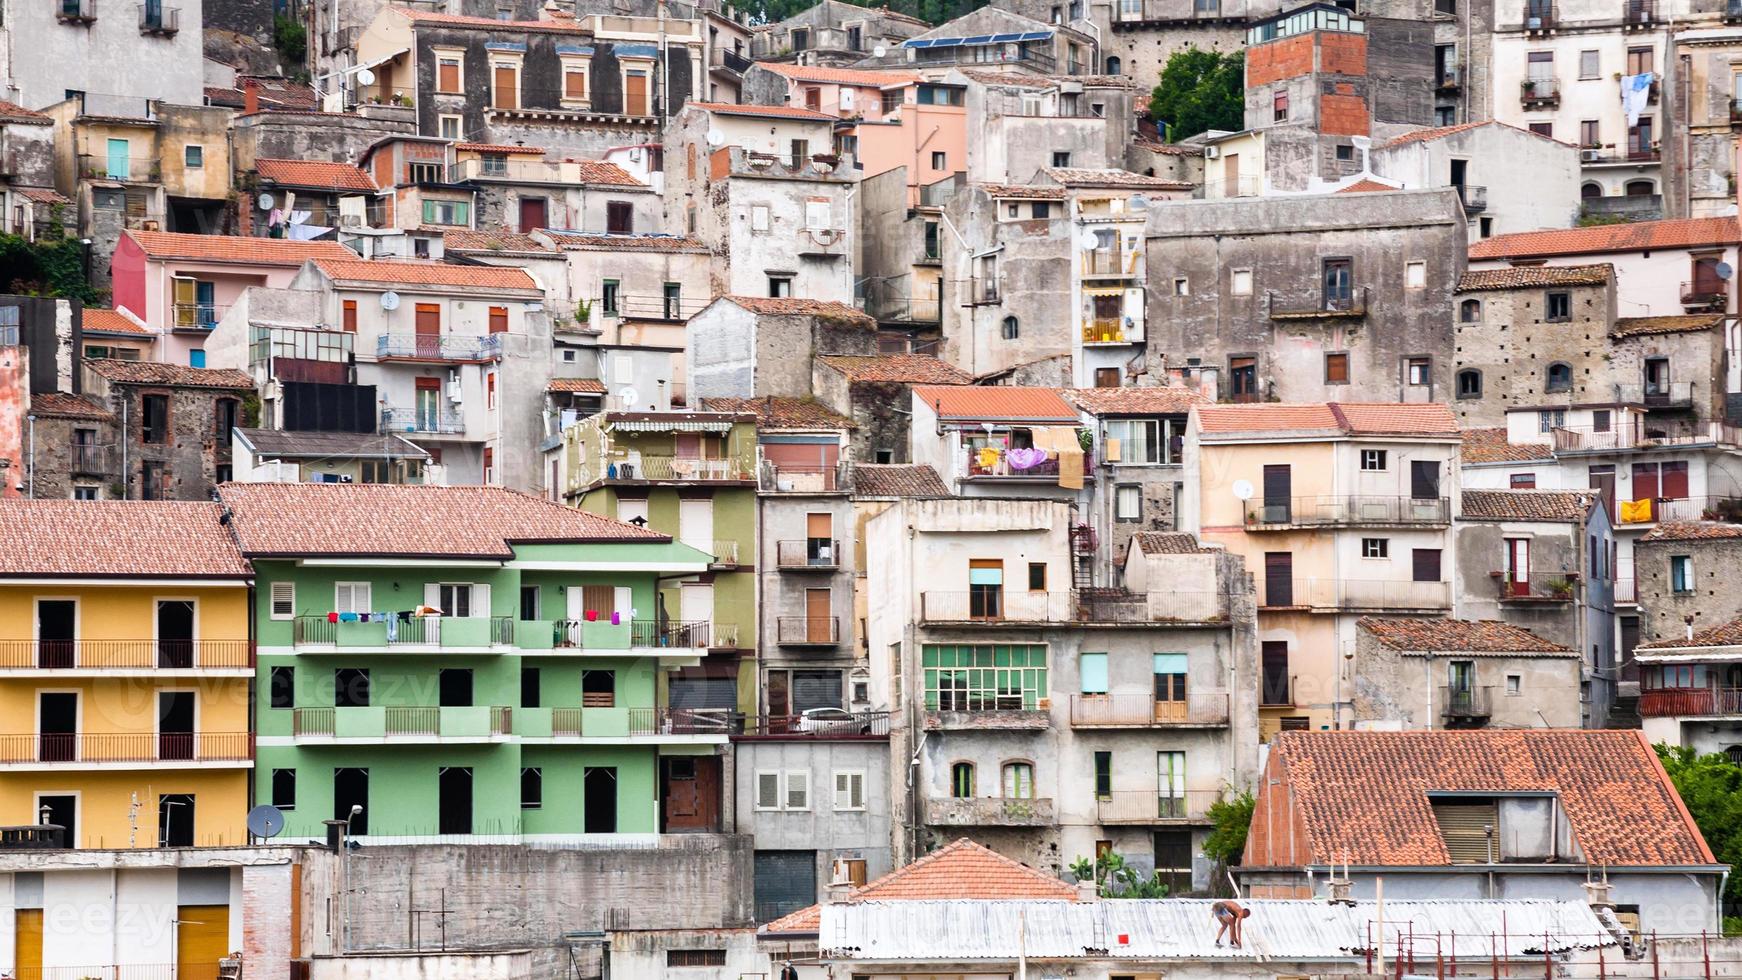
(1140, 437)
(1002, 40)
(26, 165)
(312, 135)
(174, 423)
(833, 33)
(1699, 170)
(334, 195)
(1531, 336)
(875, 390)
(520, 190)
(754, 347)
(76, 453)
(1478, 160)
(1460, 673)
(1685, 573)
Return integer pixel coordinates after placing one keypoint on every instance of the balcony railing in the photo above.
(130, 747)
(443, 421)
(1348, 303)
(1015, 607)
(1140, 11)
(860, 724)
(1464, 704)
(1111, 263)
(1668, 702)
(807, 631)
(403, 721)
(94, 460)
(1540, 91)
(1536, 586)
(1198, 710)
(793, 478)
(393, 631)
(1646, 433)
(1639, 13)
(990, 607)
(984, 811)
(1626, 590)
(1112, 330)
(657, 633)
(724, 555)
(1330, 594)
(989, 55)
(731, 61)
(977, 466)
(124, 654)
(1447, 79)
(636, 306)
(155, 18)
(75, 11)
(196, 316)
(438, 347)
(1153, 807)
(816, 554)
(1705, 295)
(98, 166)
(677, 469)
(1473, 196)
(592, 722)
(1541, 16)
(1353, 510)
(37, 837)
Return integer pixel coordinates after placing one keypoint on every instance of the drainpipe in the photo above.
(126, 474)
(30, 458)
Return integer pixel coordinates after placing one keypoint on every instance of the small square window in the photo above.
(1181, 287)
(1061, 158)
(1373, 459)
(1419, 371)
(1337, 368)
(1013, 210)
(449, 127)
(1240, 282)
(940, 160)
(1128, 502)
(1514, 685)
(1521, 481)
(1558, 308)
(1040, 209)
(1037, 576)
(1375, 547)
(1345, 152)
(195, 157)
(1415, 275)
(779, 286)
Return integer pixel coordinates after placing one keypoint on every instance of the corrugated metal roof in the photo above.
(1181, 929)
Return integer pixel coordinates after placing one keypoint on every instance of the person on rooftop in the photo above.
(1228, 915)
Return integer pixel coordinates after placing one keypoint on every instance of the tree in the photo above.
(1711, 787)
(1231, 819)
(53, 265)
(1200, 90)
(1118, 879)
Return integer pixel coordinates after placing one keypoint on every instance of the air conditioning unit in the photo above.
(1590, 156)
(1212, 152)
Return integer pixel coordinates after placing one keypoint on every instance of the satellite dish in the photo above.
(1724, 270)
(715, 137)
(265, 821)
(629, 396)
(1138, 202)
(879, 51)
(1243, 489)
(390, 301)
(365, 77)
(1091, 241)
(265, 201)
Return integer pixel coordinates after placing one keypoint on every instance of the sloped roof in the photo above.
(116, 538)
(1025, 192)
(1169, 543)
(170, 375)
(770, 111)
(492, 24)
(407, 520)
(1459, 636)
(98, 319)
(12, 112)
(1441, 132)
(500, 148)
(793, 306)
(1332, 418)
(998, 403)
(1363, 796)
(1529, 276)
(43, 195)
(1722, 635)
(1155, 400)
(1526, 505)
(1634, 236)
(1366, 186)
(1643, 326)
(960, 869)
(602, 172)
(897, 480)
(499, 240)
(579, 386)
(242, 249)
(1489, 445)
(1693, 531)
(782, 413)
(898, 368)
(1088, 177)
(282, 443)
(315, 173)
(842, 76)
(411, 273)
(639, 243)
(57, 405)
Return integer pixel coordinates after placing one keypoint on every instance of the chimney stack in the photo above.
(250, 96)
(335, 835)
(1087, 890)
(840, 886)
(1600, 894)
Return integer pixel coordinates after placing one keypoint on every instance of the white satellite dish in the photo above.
(1138, 202)
(365, 77)
(1242, 489)
(1091, 241)
(390, 301)
(629, 396)
(265, 201)
(879, 51)
(715, 137)
(1724, 270)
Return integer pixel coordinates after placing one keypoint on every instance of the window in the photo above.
(1514, 685)
(505, 85)
(783, 790)
(1181, 287)
(283, 688)
(1415, 275)
(1279, 106)
(986, 588)
(1470, 311)
(962, 780)
(984, 678)
(283, 600)
(1061, 158)
(1010, 329)
(1373, 459)
(1337, 368)
(1040, 210)
(575, 81)
(1092, 672)
(892, 101)
(1590, 137)
(1339, 284)
(1018, 781)
(1375, 547)
(531, 788)
(1128, 502)
(447, 212)
(284, 789)
(1103, 775)
(1037, 576)
(1146, 440)
(849, 791)
(941, 95)
(1469, 383)
(940, 160)
(619, 218)
(194, 157)
(1425, 564)
(448, 127)
(695, 957)
(1240, 282)
(1544, 129)
(758, 217)
(1345, 151)
(1681, 574)
(779, 286)
(1548, 420)
(350, 688)
(448, 74)
(1590, 64)
(1559, 377)
(351, 597)
(1521, 481)
(608, 296)
(1558, 307)
(85, 492)
(154, 419)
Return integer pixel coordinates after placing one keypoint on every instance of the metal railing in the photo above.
(196, 316)
(1705, 295)
(1355, 510)
(666, 633)
(1541, 16)
(403, 721)
(80, 11)
(1640, 11)
(684, 469)
(1017, 607)
(155, 18)
(905, 309)
(1664, 702)
(1145, 711)
(1138, 11)
(1351, 302)
(1560, 586)
(1110, 262)
(1353, 594)
(129, 747)
(157, 654)
(400, 631)
(95, 460)
(1540, 90)
(1470, 703)
(1473, 196)
(1645, 433)
(730, 60)
(724, 554)
(1626, 590)
(571, 722)
(1112, 330)
(649, 307)
(983, 291)
(1153, 806)
(98, 166)
(821, 554)
(998, 54)
(800, 631)
(861, 724)
(789, 478)
(438, 347)
(443, 421)
(1277, 691)
(994, 606)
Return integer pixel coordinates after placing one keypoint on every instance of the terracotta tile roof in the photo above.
(407, 520)
(1642, 326)
(235, 248)
(1631, 237)
(499, 148)
(601, 172)
(1006, 79)
(771, 111)
(961, 869)
(1723, 635)
(1169, 543)
(170, 375)
(55, 405)
(641, 243)
(1364, 796)
(843, 76)
(1026, 192)
(579, 386)
(998, 403)
(500, 240)
(411, 273)
(1526, 505)
(315, 173)
(1489, 445)
(1337, 418)
(897, 480)
(1458, 636)
(898, 368)
(492, 24)
(116, 538)
(1365, 186)
(1428, 135)
(1693, 531)
(98, 319)
(12, 112)
(1086, 177)
(782, 413)
(1530, 276)
(1169, 149)
(1135, 401)
(43, 195)
(790, 306)
(275, 94)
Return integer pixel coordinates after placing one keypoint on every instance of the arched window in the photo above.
(1019, 780)
(1591, 190)
(1011, 329)
(962, 780)
(1560, 377)
(1469, 383)
(1114, 65)
(1470, 311)
(1640, 188)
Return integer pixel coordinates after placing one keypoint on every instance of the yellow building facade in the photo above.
(125, 668)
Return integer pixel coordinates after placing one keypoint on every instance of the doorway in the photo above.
(63, 812)
(819, 625)
(456, 687)
(57, 720)
(428, 326)
(599, 800)
(175, 725)
(175, 633)
(691, 794)
(56, 633)
(533, 215)
(351, 788)
(175, 820)
(454, 790)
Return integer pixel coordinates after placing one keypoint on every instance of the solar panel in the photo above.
(947, 42)
(979, 39)
(1035, 36)
(916, 44)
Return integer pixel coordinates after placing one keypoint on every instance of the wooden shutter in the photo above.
(1427, 564)
(635, 94)
(1675, 481)
(1336, 368)
(1279, 578)
(1463, 827)
(505, 87)
(575, 83)
(819, 525)
(185, 311)
(283, 600)
(351, 596)
(481, 599)
(1278, 490)
(498, 319)
(429, 318)
(350, 316)
(768, 791)
(448, 73)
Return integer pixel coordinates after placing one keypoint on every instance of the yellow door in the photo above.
(185, 300)
(27, 943)
(202, 938)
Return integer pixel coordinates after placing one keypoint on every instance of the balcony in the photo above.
(442, 632)
(1111, 330)
(791, 478)
(858, 725)
(1540, 93)
(155, 18)
(728, 161)
(35, 837)
(666, 309)
(808, 555)
(640, 467)
(1346, 304)
(1646, 433)
(1016, 608)
(1110, 263)
(968, 714)
(196, 317)
(1639, 14)
(423, 421)
(438, 348)
(95, 460)
(1705, 295)
(822, 243)
(977, 467)
(1447, 80)
(681, 635)
(132, 749)
(1673, 702)
(75, 11)
(1198, 710)
(135, 170)
(730, 61)
(385, 724)
(807, 631)
(984, 811)
(1354, 595)
(1353, 510)
(1152, 807)
(1626, 590)
(1473, 196)
(148, 656)
(723, 556)
(996, 608)
(1464, 707)
(1536, 587)
(1541, 17)
(905, 309)
(987, 56)
(600, 634)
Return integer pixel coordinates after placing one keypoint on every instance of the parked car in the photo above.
(831, 721)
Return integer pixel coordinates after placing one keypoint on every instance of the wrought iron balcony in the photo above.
(437, 347)
(809, 554)
(144, 655)
(1540, 92)
(127, 749)
(155, 18)
(423, 421)
(1467, 707)
(1351, 510)
(1473, 196)
(1536, 587)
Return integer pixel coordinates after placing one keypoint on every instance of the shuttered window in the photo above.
(351, 597)
(785, 881)
(768, 791)
(1464, 826)
(1093, 668)
(849, 791)
(798, 790)
(1426, 563)
(283, 600)
(498, 319)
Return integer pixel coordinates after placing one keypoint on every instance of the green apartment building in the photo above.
(690, 475)
(470, 663)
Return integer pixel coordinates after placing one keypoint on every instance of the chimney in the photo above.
(335, 834)
(250, 96)
(1341, 890)
(1599, 894)
(840, 886)
(1087, 890)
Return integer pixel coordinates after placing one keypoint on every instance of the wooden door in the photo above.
(1231, 175)
(819, 626)
(635, 94)
(27, 944)
(533, 215)
(1517, 566)
(202, 938)
(691, 795)
(429, 329)
(506, 86)
(1278, 493)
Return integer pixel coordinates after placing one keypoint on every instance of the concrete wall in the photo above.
(1397, 689)
(1493, 155)
(49, 57)
(833, 833)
